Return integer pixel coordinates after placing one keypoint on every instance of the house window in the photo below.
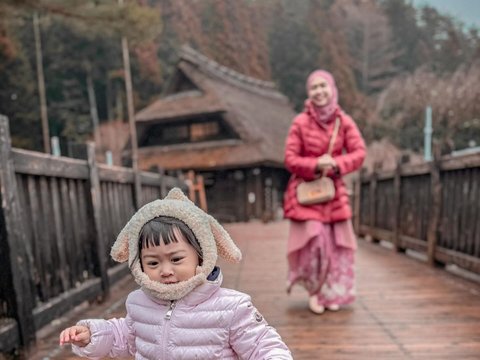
(204, 131)
(175, 133)
(205, 128)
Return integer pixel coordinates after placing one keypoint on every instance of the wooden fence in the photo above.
(433, 208)
(58, 219)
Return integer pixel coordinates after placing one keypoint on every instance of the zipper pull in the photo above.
(168, 315)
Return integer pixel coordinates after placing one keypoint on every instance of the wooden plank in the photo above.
(105, 212)
(385, 174)
(46, 238)
(13, 243)
(463, 228)
(445, 164)
(27, 228)
(86, 234)
(456, 207)
(380, 234)
(117, 207)
(467, 262)
(412, 243)
(115, 174)
(446, 227)
(34, 163)
(414, 170)
(472, 211)
(54, 308)
(113, 210)
(37, 229)
(76, 243)
(96, 204)
(460, 162)
(9, 336)
(59, 239)
(67, 233)
(150, 179)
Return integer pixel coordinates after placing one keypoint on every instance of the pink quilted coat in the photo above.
(306, 141)
(209, 323)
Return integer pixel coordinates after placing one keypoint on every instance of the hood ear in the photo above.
(177, 194)
(120, 248)
(225, 246)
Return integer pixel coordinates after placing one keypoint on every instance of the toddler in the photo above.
(180, 312)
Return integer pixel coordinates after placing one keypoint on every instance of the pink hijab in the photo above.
(324, 113)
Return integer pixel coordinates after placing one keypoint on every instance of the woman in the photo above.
(321, 242)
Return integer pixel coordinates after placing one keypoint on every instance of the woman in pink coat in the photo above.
(321, 242)
(180, 312)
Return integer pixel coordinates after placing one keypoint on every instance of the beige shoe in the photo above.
(333, 307)
(315, 306)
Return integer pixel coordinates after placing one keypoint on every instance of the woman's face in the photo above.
(172, 263)
(319, 91)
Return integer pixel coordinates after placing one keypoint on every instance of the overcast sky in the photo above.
(467, 11)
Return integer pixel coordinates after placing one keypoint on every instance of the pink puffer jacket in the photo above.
(209, 323)
(306, 141)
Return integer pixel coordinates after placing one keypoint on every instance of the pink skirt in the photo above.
(321, 259)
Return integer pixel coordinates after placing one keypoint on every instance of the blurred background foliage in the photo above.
(389, 58)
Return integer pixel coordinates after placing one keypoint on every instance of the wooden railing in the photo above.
(433, 208)
(58, 220)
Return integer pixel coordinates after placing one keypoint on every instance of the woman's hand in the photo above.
(77, 335)
(326, 162)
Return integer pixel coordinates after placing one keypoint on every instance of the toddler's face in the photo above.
(170, 263)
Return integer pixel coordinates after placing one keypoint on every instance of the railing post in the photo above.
(373, 199)
(20, 298)
(357, 188)
(435, 205)
(101, 258)
(163, 186)
(397, 203)
(137, 185)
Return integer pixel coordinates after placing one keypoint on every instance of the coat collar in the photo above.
(204, 291)
(197, 295)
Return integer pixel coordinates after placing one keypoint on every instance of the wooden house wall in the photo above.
(246, 193)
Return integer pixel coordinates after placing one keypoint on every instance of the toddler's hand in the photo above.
(77, 335)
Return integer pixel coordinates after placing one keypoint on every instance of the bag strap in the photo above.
(332, 141)
(334, 135)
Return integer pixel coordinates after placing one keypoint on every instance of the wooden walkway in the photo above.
(404, 310)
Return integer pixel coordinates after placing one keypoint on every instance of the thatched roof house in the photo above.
(228, 126)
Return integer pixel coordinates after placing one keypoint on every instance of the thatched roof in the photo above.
(254, 109)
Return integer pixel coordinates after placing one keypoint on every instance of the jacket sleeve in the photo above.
(252, 338)
(354, 145)
(114, 338)
(302, 166)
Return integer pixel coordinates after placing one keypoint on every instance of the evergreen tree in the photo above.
(294, 51)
